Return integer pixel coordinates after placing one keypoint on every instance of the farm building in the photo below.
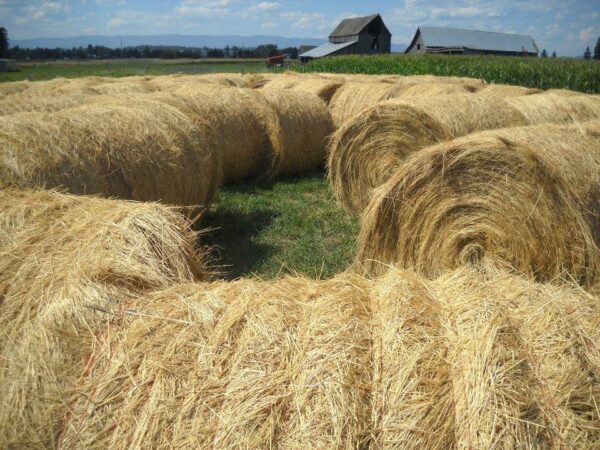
(470, 42)
(359, 35)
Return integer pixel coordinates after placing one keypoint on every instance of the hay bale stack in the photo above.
(563, 92)
(176, 81)
(31, 102)
(234, 122)
(127, 85)
(298, 131)
(60, 255)
(506, 90)
(146, 151)
(12, 87)
(552, 108)
(55, 96)
(367, 149)
(414, 89)
(470, 360)
(321, 87)
(354, 97)
(526, 196)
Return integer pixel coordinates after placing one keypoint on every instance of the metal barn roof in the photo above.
(477, 40)
(353, 26)
(326, 49)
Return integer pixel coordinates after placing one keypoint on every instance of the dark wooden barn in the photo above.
(359, 35)
(470, 42)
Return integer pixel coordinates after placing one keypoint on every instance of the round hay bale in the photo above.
(59, 94)
(433, 89)
(12, 87)
(32, 102)
(146, 151)
(321, 87)
(234, 121)
(471, 356)
(176, 81)
(367, 149)
(526, 196)
(298, 131)
(354, 97)
(69, 265)
(552, 108)
(475, 358)
(563, 92)
(505, 90)
(471, 84)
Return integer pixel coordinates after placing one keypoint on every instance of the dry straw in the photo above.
(434, 88)
(367, 149)
(231, 121)
(61, 93)
(170, 82)
(527, 196)
(323, 88)
(298, 131)
(471, 360)
(506, 90)
(552, 108)
(60, 254)
(354, 97)
(143, 151)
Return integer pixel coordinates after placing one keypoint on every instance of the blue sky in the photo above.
(566, 26)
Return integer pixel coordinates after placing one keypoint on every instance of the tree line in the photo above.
(163, 52)
(141, 51)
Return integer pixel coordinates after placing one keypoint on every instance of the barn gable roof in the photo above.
(353, 26)
(477, 40)
(326, 49)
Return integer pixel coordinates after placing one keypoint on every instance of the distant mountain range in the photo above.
(174, 40)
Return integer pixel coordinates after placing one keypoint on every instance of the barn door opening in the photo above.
(374, 43)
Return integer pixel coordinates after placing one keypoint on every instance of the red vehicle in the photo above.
(276, 61)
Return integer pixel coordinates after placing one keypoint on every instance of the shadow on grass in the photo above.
(253, 186)
(231, 236)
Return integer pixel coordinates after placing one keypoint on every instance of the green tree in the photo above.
(554, 54)
(587, 54)
(3, 43)
(597, 49)
(544, 53)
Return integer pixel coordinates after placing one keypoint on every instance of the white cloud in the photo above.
(43, 10)
(204, 8)
(116, 22)
(268, 25)
(108, 2)
(304, 21)
(464, 12)
(265, 7)
(587, 34)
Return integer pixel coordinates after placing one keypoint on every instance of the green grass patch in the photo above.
(36, 71)
(541, 73)
(291, 226)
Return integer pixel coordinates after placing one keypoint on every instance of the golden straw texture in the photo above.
(525, 195)
(142, 150)
(368, 148)
(298, 131)
(475, 359)
(59, 254)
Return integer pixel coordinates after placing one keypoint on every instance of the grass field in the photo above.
(46, 70)
(293, 225)
(542, 73)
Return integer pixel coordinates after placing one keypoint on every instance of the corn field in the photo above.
(541, 73)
